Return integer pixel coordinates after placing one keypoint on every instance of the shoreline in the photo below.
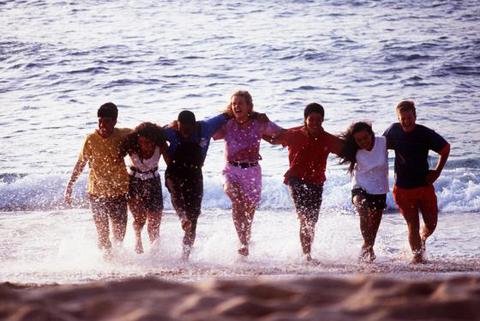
(60, 247)
(190, 273)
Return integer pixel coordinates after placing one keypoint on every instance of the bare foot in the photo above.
(186, 252)
(139, 247)
(367, 255)
(311, 261)
(243, 250)
(107, 254)
(417, 258)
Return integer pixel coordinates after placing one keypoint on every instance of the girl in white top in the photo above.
(371, 169)
(144, 146)
(144, 168)
(368, 164)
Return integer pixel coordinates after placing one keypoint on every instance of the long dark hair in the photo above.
(148, 130)
(350, 147)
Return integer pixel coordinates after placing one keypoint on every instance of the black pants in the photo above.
(147, 193)
(307, 198)
(186, 192)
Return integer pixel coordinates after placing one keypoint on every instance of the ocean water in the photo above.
(59, 61)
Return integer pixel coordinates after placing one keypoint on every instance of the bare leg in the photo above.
(119, 227)
(139, 219)
(101, 213)
(178, 203)
(307, 234)
(119, 222)
(243, 218)
(430, 218)
(153, 228)
(413, 222)
(186, 196)
(189, 227)
(369, 224)
(375, 220)
(307, 200)
(102, 225)
(365, 228)
(243, 212)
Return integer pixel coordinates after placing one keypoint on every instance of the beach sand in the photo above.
(269, 298)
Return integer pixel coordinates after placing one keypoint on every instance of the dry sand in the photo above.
(360, 297)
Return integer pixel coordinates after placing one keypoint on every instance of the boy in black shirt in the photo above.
(413, 190)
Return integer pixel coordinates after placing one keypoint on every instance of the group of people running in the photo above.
(113, 186)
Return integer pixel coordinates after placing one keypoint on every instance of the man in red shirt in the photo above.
(308, 148)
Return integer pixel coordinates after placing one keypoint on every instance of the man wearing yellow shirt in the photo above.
(108, 177)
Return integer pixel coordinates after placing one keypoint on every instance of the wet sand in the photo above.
(406, 296)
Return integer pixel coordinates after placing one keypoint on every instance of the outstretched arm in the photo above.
(172, 125)
(212, 125)
(273, 133)
(163, 150)
(336, 145)
(77, 170)
(434, 174)
(276, 139)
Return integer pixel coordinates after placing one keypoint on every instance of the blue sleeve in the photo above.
(169, 134)
(210, 126)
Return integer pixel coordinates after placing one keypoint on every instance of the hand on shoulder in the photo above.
(262, 117)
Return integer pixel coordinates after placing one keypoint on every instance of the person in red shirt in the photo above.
(308, 148)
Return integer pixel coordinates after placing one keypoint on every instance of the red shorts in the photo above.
(411, 200)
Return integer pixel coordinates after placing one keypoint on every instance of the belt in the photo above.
(133, 171)
(243, 164)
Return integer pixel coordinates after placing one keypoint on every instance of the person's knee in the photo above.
(119, 213)
(431, 226)
(413, 226)
(139, 217)
(102, 229)
(412, 220)
(430, 216)
(101, 223)
(410, 213)
(232, 191)
(120, 219)
(240, 196)
(250, 206)
(176, 197)
(119, 223)
(170, 184)
(138, 225)
(100, 218)
(188, 225)
(154, 217)
(193, 226)
(359, 202)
